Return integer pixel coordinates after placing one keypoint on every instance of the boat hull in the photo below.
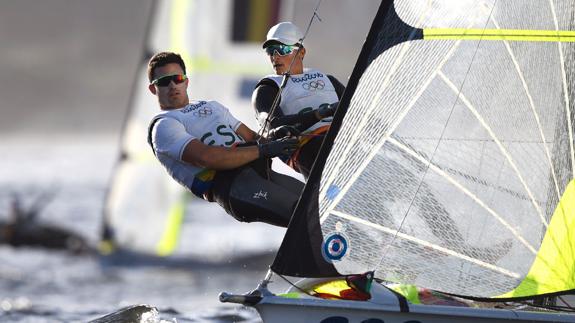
(279, 309)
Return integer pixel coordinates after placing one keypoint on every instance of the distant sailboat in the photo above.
(449, 166)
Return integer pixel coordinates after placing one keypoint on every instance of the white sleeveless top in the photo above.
(170, 131)
(306, 92)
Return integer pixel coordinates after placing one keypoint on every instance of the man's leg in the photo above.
(252, 198)
(291, 184)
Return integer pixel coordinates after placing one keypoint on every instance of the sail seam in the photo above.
(455, 183)
(499, 144)
(532, 105)
(426, 244)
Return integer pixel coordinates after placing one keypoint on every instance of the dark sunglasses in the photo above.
(165, 80)
(280, 49)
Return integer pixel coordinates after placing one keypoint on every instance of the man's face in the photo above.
(171, 95)
(281, 63)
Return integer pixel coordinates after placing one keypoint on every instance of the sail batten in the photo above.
(531, 101)
(467, 192)
(504, 151)
(425, 244)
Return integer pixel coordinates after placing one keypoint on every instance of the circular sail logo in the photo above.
(334, 247)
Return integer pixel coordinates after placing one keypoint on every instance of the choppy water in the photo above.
(38, 285)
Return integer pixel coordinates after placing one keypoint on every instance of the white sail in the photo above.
(456, 150)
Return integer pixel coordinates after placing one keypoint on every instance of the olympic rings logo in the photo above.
(203, 112)
(313, 85)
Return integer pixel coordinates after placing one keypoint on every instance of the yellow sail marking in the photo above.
(175, 216)
(554, 267)
(169, 240)
(499, 34)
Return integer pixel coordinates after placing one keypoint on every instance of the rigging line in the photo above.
(505, 153)
(532, 105)
(374, 151)
(295, 285)
(564, 302)
(427, 244)
(365, 118)
(462, 188)
(287, 75)
(565, 92)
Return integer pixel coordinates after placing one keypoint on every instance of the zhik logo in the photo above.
(261, 194)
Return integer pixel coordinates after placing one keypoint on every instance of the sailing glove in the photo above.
(283, 131)
(327, 110)
(280, 147)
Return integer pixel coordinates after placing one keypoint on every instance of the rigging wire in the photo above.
(565, 302)
(294, 285)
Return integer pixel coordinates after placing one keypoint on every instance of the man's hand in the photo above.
(281, 147)
(326, 110)
(283, 131)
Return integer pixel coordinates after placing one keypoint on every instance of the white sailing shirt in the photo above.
(306, 92)
(170, 132)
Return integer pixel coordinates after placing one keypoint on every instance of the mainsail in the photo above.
(450, 163)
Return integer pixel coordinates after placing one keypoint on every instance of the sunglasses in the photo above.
(280, 49)
(165, 80)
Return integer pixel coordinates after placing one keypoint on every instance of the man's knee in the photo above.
(255, 199)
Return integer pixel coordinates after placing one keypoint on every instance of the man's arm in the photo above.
(169, 136)
(262, 100)
(246, 133)
(218, 158)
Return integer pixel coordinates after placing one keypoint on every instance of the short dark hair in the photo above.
(163, 59)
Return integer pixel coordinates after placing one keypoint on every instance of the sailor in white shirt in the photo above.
(208, 151)
(307, 102)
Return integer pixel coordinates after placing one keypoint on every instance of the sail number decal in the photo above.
(334, 247)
